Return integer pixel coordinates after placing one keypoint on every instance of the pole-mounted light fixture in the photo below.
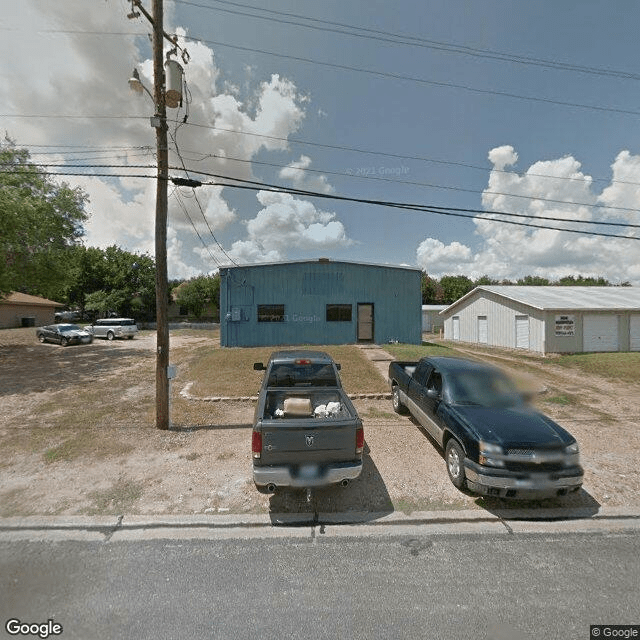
(135, 84)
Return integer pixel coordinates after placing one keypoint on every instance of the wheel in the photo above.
(64, 342)
(41, 338)
(398, 407)
(110, 335)
(454, 457)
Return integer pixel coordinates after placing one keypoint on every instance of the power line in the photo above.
(384, 154)
(176, 194)
(423, 184)
(204, 217)
(435, 83)
(260, 186)
(409, 40)
(252, 185)
(383, 74)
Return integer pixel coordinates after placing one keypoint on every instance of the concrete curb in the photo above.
(308, 524)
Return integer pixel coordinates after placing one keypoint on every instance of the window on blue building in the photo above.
(338, 313)
(270, 313)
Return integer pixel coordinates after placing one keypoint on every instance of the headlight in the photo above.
(573, 455)
(572, 449)
(490, 454)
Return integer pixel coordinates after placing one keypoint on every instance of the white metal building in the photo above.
(547, 319)
(432, 321)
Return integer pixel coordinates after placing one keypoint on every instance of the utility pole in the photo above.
(161, 98)
(162, 286)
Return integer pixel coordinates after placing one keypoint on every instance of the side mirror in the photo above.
(433, 394)
(258, 366)
(338, 366)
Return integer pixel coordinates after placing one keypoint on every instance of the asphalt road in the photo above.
(498, 587)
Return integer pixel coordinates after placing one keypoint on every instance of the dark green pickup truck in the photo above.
(494, 443)
(306, 431)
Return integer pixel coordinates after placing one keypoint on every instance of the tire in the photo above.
(41, 338)
(454, 458)
(398, 407)
(64, 342)
(110, 335)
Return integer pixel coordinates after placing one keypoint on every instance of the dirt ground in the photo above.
(78, 437)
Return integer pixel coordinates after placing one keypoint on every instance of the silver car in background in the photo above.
(111, 328)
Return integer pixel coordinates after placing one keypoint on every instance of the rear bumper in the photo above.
(306, 476)
(502, 483)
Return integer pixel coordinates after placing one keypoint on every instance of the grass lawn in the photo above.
(417, 351)
(229, 371)
(619, 366)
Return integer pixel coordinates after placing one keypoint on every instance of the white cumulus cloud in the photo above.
(287, 223)
(86, 75)
(298, 173)
(550, 193)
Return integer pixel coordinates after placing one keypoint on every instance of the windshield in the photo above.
(63, 328)
(302, 375)
(484, 388)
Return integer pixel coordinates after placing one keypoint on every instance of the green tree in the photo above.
(454, 287)
(533, 281)
(196, 293)
(583, 281)
(40, 221)
(485, 280)
(116, 281)
(431, 290)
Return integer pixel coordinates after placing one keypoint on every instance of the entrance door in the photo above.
(365, 322)
(522, 332)
(634, 333)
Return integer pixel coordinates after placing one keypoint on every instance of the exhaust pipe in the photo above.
(271, 487)
(345, 482)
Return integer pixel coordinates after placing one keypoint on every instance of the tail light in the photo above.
(256, 443)
(359, 440)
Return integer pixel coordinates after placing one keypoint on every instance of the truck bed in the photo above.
(307, 426)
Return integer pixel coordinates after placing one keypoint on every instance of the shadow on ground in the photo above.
(577, 504)
(50, 367)
(580, 504)
(363, 500)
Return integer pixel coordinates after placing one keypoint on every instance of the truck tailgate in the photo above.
(301, 443)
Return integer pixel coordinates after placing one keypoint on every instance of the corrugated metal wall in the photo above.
(505, 323)
(512, 325)
(297, 294)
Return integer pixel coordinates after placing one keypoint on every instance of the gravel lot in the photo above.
(77, 429)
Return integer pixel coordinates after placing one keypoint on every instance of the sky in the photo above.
(478, 108)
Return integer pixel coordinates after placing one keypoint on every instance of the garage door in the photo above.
(600, 333)
(634, 333)
(522, 332)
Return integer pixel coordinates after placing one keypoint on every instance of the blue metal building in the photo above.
(319, 302)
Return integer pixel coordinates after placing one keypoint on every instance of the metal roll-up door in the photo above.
(483, 330)
(600, 332)
(634, 333)
(522, 332)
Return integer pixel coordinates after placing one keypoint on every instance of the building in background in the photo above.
(432, 321)
(550, 319)
(319, 302)
(24, 310)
